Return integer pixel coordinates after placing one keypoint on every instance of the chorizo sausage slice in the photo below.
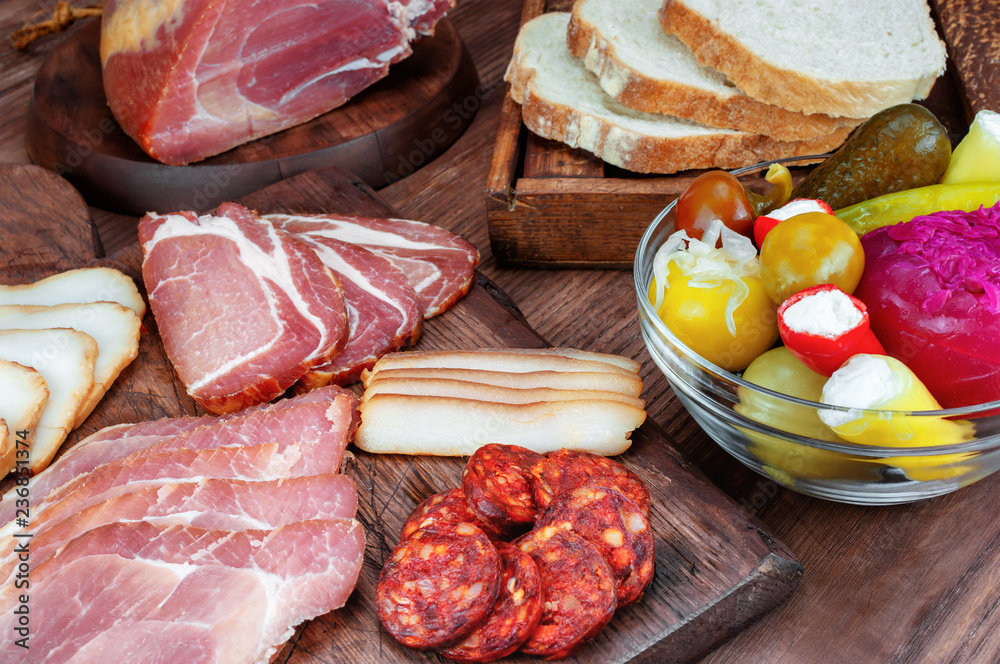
(515, 616)
(498, 485)
(616, 526)
(580, 595)
(564, 470)
(438, 585)
(447, 507)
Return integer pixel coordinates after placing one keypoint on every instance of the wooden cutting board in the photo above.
(385, 133)
(717, 569)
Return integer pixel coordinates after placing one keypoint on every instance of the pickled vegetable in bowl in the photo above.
(882, 454)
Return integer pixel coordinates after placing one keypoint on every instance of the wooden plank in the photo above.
(718, 570)
(385, 133)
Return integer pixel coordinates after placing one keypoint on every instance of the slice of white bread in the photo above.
(640, 65)
(66, 359)
(88, 284)
(563, 101)
(23, 394)
(848, 58)
(115, 329)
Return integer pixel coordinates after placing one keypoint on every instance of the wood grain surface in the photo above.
(912, 583)
(385, 133)
(717, 570)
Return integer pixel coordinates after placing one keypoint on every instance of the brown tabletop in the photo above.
(897, 584)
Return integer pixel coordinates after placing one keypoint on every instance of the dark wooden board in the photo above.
(550, 205)
(718, 570)
(385, 133)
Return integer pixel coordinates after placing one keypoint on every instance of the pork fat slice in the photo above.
(243, 309)
(187, 79)
(440, 265)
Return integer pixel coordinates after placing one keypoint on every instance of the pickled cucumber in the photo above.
(902, 147)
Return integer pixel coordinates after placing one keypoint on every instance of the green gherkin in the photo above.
(902, 147)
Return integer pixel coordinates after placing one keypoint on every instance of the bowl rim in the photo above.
(644, 248)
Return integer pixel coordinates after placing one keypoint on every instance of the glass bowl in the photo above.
(765, 429)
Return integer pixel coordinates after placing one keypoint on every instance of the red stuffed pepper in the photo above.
(824, 327)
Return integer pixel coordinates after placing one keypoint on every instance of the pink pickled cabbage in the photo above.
(961, 248)
(932, 288)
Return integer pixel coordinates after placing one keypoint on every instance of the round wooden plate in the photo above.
(383, 134)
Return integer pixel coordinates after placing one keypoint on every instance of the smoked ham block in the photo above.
(243, 309)
(440, 265)
(187, 79)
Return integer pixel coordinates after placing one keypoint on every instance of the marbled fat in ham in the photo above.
(383, 311)
(187, 79)
(243, 309)
(440, 265)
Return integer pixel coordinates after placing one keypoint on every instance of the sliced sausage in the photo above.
(447, 507)
(438, 585)
(515, 615)
(580, 595)
(564, 470)
(616, 526)
(497, 483)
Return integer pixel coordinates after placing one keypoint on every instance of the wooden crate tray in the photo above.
(551, 205)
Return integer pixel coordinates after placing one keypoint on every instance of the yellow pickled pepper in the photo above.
(884, 384)
(977, 156)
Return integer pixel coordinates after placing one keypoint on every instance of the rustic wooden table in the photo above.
(899, 584)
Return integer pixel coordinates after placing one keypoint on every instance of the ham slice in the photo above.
(188, 79)
(232, 595)
(382, 310)
(202, 502)
(324, 420)
(440, 265)
(244, 310)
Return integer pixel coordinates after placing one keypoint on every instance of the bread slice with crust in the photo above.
(848, 58)
(640, 65)
(563, 101)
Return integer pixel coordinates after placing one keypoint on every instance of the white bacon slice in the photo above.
(89, 284)
(65, 359)
(440, 265)
(23, 394)
(243, 309)
(507, 360)
(114, 327)
(609, 381)
(407, 424)
(463, 389)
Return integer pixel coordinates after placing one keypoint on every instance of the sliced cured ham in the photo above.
(206, 503)
(440, 265)
(322, 422)
(243, 309)
(383, 312)
(188, 79)
(105, 593)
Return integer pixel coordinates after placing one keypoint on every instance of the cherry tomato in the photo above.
(697, 315)
(808, 250)
(714, 195)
